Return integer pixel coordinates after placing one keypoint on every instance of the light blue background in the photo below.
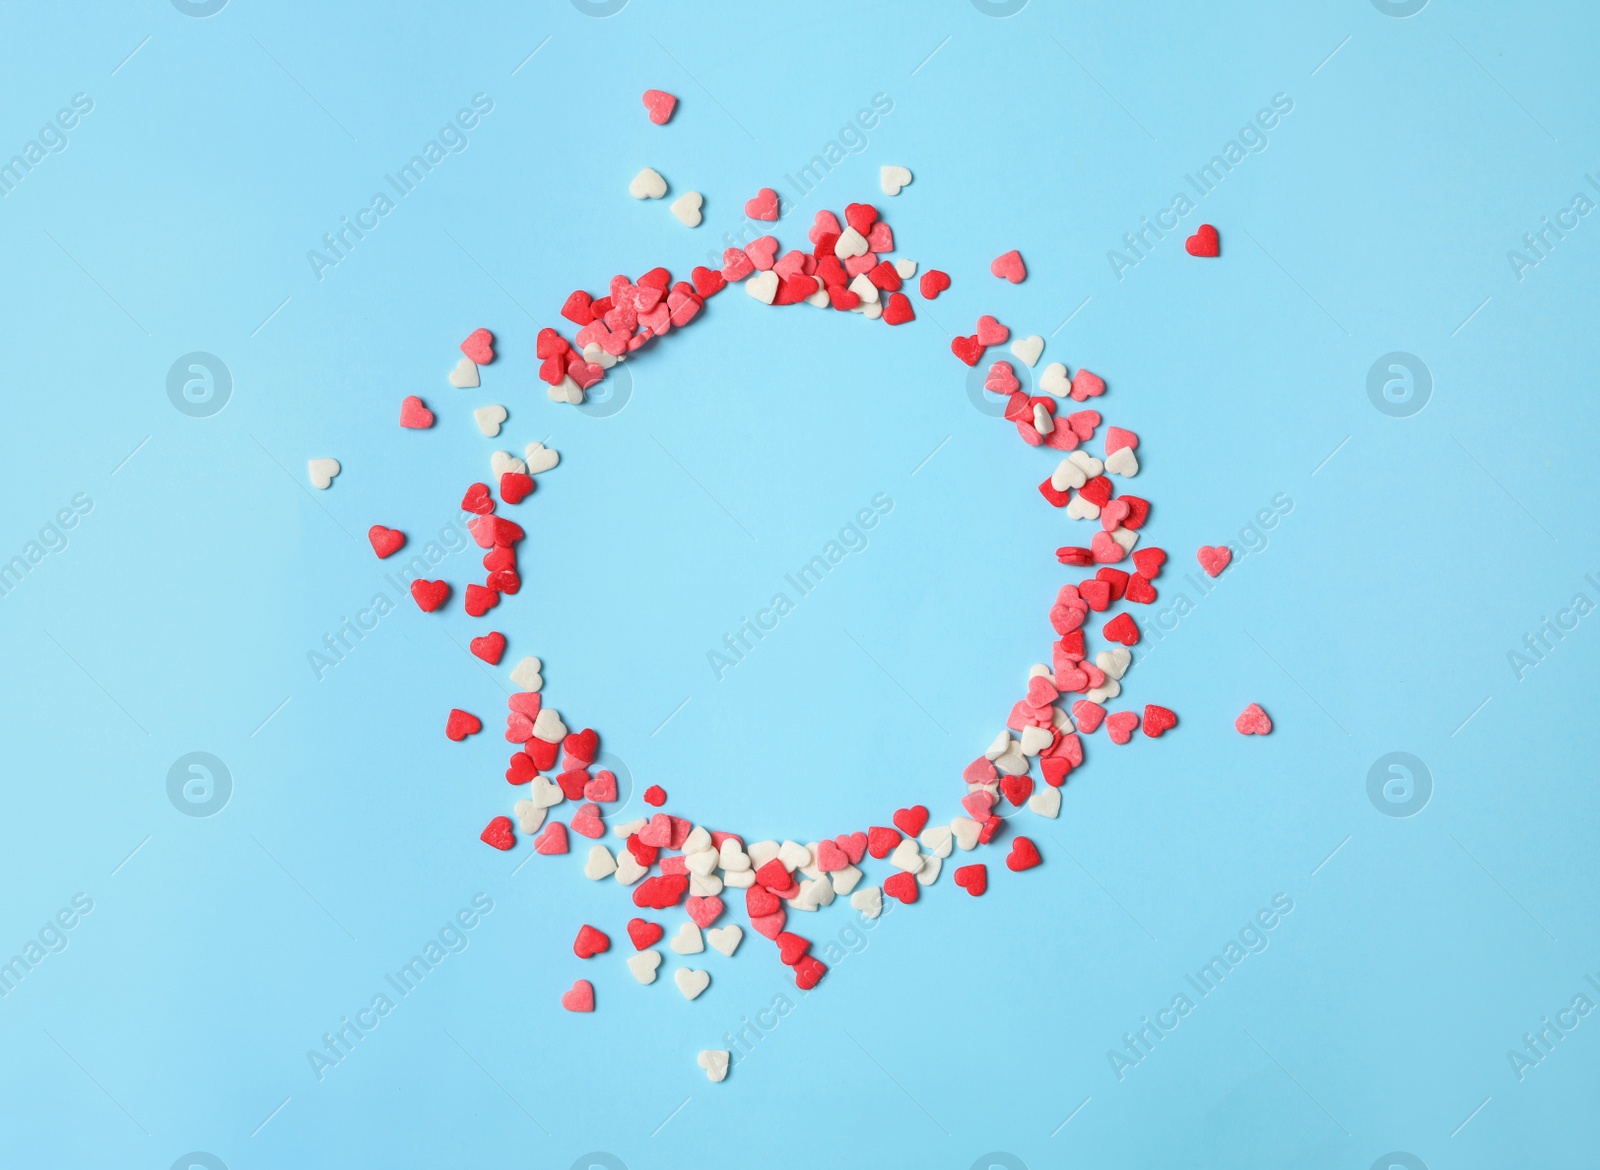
(1377, 619)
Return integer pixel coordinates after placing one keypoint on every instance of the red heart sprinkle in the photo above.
(521, 769)
(760, 902)
(1024, 855)
(655, 795)
(880, 840)
(498, 834)
(515, 486)
(643, 933)
(1097, 491)
(902, 886)
(385, 541)
(1140, 591)
(1121, 628)
(1157, 719)
(861, 216)
(933, 283)
(1149, 561)
(480, 599)
(898, 310)
(461, 724)
(911, 821)
(792, 948)
(1017, 789)
(660, 104)
(590, 942)
(578, 309)
(429, 595)
(1204, 242)
(582, 745)
(808, 972)
(477, 500)
(1120, 726)
(706, 282)
(968, 349)
(973, 878)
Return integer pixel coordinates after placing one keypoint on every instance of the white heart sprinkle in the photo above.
(738, 879)
(647, 184)
(1068, 475)
(763, 286)
(1029, 349)
(1114, 663)
(937, 840)
(526, 674)
(906, 856)
(1054, 380)
(1043, 421)
(929, 873)
(529, 815)
(690, 981)
(732, 858)
(465, 375)
(601, 863)
(503, 461)
(725, 938)
(541, 458)
(868, 900)
(1035, 740)
(850, 243)
(705, 886)
(701, 861)
(545, 793)
(891, 179)
(548, 726)
(1122, 461)
(687, 208)
(1090, 465)
(1079, 508)
(1109, 689)
(628, 869)
(966, 830)
(489, 419)
(1046, 801)
(905, 269)
(688, 940)
(566, 391)
(322, 472)
(794, 855)
(715, 1062)
(1001, 745)
(762, 852)
(596, 355)
(865, 289)
(1013, 763)
(1126, 537)
(846, 879)
(643, 965)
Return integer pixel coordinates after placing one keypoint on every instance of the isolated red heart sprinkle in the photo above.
(898, 310)
(911, 821)
(902, 886)
(1213, 560)
(1157, 719)
(489, 647)
(1121, 628)
(655, 795)
(479, 346)
(933, 283)
(968, 349)
(461, 724)
(643, 933)
(1024, 855)
(429, 595)
(385, 541)
(1253, 721)
(660, 103)
(1204, 242)
(973, 878)
(590, 942)
(414, 415)
(498, 834)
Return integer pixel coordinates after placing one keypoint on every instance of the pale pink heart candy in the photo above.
(658, 832)
(1105, 550)
(978, 804)
(683, 308)
(856, 265)
(704, 911)
(1086, 385)
(660, 104)
(790, 265)
(880, 238)
(830, 857)
(1009, 267)
(980, 771)
(643, 299)
(552, 840)
(826, 224)
(602, 788)
(1041, 693)
(762, 252)
(991, 332)
(1002, 379)
(1114, 513)
(519, 728)
(586, 822)
(1083, 423)
(769, 925)
(657, 320)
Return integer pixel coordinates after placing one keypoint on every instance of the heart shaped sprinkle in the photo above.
(429, 595)
(891, 180)
(691, 982)
(479, 347)
(1213, 560)
(1120, 726)
(580, 998)
(715, 1062)
(465, 374)
(489, 419)
(1009, 267)
(322, 472)
(498, 834)
(590, 942)
(686, 208)
(1158, 719)
(1024, 855)
(764, 206)
(385, 541)
(414, 415)
(461, 724)
(660, 104)
(1204, 242)
(973, 878)
(1253, 721)
(647, 184)
(642, 966)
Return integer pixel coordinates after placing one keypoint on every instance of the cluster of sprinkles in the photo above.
(672, 864)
